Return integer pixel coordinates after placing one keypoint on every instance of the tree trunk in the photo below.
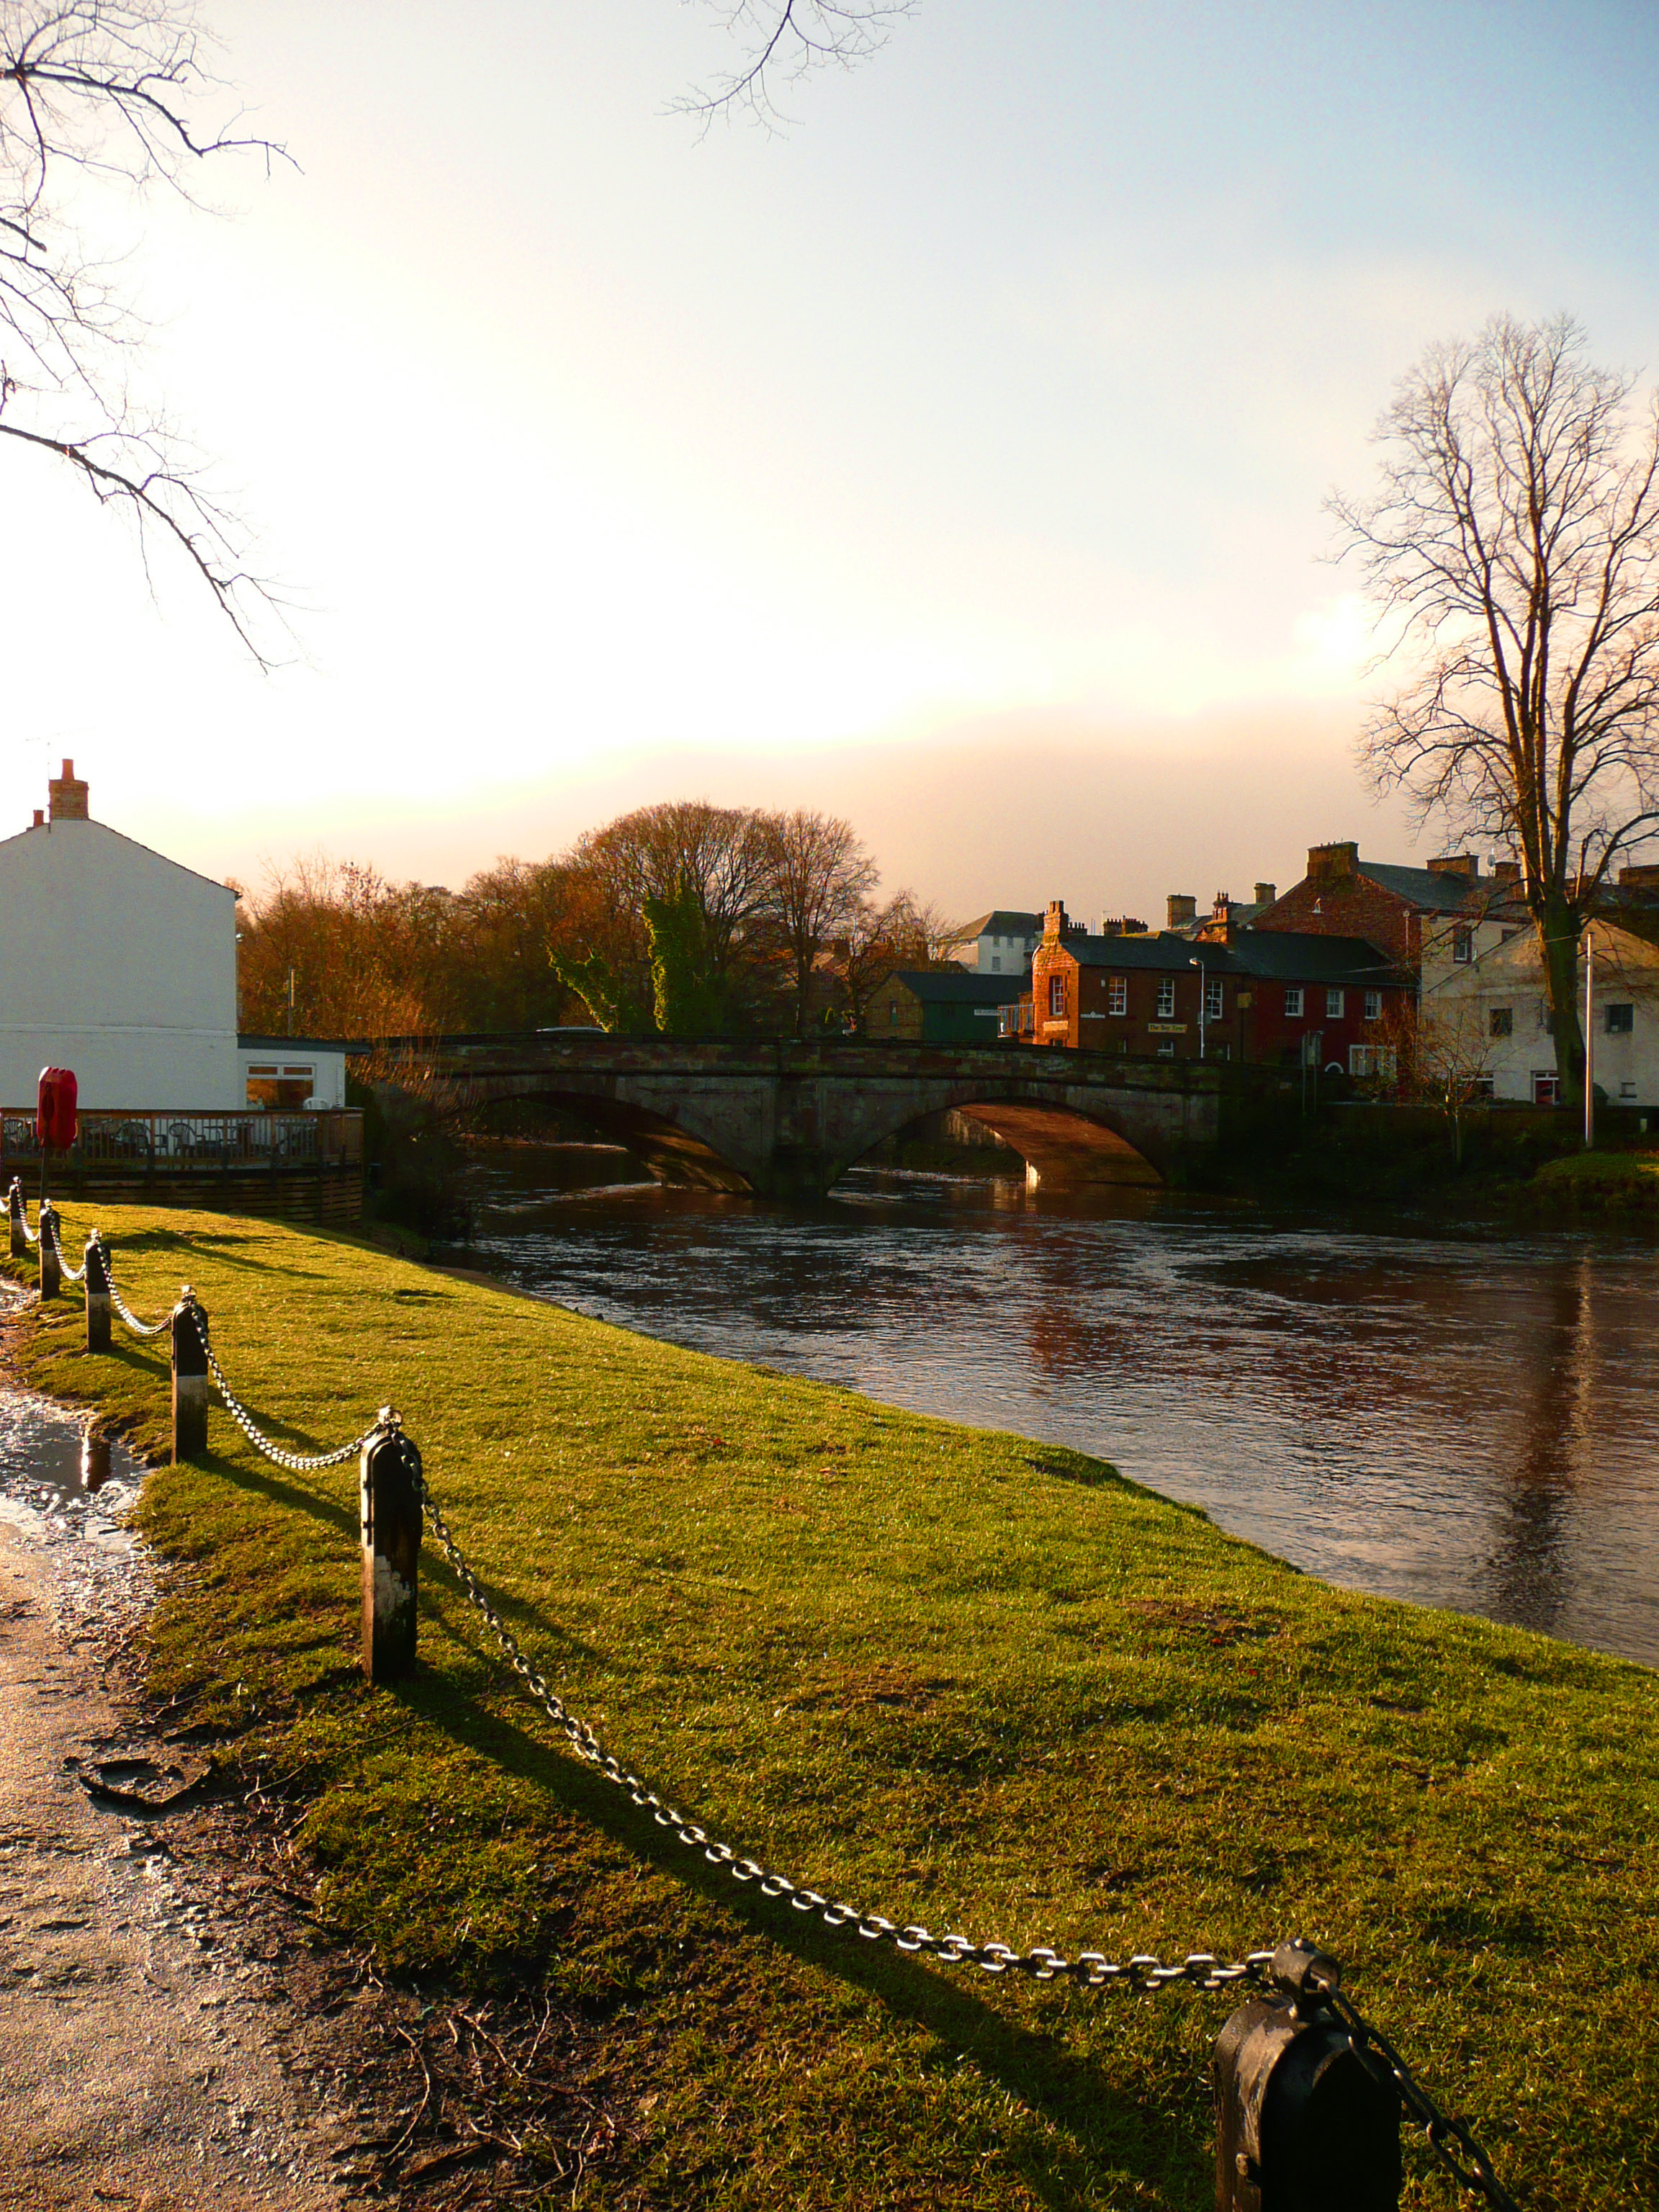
(1558, 928)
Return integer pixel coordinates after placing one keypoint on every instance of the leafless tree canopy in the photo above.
(96, 94)
(784, 40)
(1514, 545)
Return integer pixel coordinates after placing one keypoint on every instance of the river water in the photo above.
(1461, 1420)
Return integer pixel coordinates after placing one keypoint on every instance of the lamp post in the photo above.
(1589, 1037)
(1199, 964)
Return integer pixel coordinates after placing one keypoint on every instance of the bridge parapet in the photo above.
(787, 1118)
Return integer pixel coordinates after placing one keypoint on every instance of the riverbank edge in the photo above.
(296, 1722)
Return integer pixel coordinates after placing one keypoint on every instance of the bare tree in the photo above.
(784, 40)
(1515, 546)
(904, 933)
(111, 91)
(818, 877)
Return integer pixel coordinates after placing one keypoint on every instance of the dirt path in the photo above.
(138, 2044)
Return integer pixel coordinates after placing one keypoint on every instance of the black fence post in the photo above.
(391, 1521)
(190, 1379)
(1303, 2123)
(97, 1295)
(16, 1206)
(52, 1274)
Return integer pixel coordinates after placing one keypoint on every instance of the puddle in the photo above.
(59, 1487)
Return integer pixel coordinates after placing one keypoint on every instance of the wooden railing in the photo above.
(165, 1142)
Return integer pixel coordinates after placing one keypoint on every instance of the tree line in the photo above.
(683, 917)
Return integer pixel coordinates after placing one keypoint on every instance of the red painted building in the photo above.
(1342, 896)
(1266, 999)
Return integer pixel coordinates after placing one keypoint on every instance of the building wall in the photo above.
(1253, 1026)
(119, 964)
(288, 1072)
(1460, 1000)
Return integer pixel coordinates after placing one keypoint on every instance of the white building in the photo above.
(1000, 943)
(116, 963)
(1485, 1005)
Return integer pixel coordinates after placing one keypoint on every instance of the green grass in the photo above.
(947, 1674)
(1630, 1178)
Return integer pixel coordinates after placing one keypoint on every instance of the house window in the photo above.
(1117, 994)
(1484, 1087)
(1166, 1050)
(1213, 1001)
(1056, 997)
(1373, 1006)
(1293, 1002)
(1362, 1059)
(1166, 997)
(1463, 945)
(1334, 1002)
(996, 965)
(1500, 1022)
(1627, 1090)
(1621, 1020)
(1545, 1087)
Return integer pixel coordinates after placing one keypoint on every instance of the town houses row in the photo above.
(1334, 975)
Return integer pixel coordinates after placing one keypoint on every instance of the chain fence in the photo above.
(1142, 1973)
(69, 1274)
(19, 1210)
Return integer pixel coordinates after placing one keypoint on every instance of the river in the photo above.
(1463, 1420)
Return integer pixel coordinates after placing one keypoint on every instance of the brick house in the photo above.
(1261, 999)
(1342, 896)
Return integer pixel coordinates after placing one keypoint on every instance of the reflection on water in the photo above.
(1465, 1422)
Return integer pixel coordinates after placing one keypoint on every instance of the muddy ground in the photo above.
(176, 2031)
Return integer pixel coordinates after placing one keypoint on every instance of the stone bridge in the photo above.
(786, 1120)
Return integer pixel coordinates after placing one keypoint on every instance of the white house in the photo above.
(117, 963)
(1000, 943)
(1484, 1005)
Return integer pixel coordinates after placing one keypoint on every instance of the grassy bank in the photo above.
(946, 1674)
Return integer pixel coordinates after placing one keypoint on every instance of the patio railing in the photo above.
(160, 1143)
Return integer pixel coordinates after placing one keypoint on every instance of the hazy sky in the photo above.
(954, 459)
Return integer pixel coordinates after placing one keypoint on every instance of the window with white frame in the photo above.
(1056, 997)
(1334, 1001)
(1373, 1006)
(1166, 997)
(1214, 1000)
(1462, 945)
(1166, 1048)
(1293, 1002)
(1117, 994)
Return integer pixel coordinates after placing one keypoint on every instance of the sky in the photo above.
(952, 458)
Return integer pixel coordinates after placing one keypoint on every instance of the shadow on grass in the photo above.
(1034, 2067)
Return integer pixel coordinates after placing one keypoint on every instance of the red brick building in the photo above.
(1342, 896)
(1267, 998)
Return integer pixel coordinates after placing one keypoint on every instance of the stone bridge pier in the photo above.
(787, 1119)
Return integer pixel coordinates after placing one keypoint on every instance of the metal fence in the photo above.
(156, 1142)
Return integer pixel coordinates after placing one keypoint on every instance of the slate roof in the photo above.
(1004, 921)
(962, 988)
(1294, 955)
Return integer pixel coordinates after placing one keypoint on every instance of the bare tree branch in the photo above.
(115, 91)
(785, 40)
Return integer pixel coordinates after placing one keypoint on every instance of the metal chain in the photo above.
(1090, 1970)
(69, 1274)
(301, 1462)
(23, 1211)
(139, 1328)
(1449, 2140)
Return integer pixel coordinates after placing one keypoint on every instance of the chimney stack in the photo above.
(39, 821)
(1183, 907)
(1266, 894)
(68, 795)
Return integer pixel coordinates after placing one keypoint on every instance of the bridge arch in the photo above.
(677, 1156)
(1064, 1145)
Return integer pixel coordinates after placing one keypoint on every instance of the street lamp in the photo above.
(1202, 989)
